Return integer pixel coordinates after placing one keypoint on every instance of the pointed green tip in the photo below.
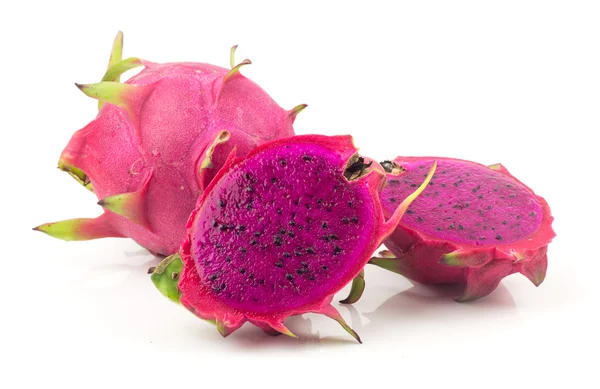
(450, 259)
(166, 277)
(292, 113)
(357, 289)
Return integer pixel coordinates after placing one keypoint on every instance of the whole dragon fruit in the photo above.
(472, 226)
(278, 233)
(158, 140)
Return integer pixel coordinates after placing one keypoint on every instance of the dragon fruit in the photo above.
(157, 142)
(472, 226)
(278, 233)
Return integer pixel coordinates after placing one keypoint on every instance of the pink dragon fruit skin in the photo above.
(472, 226)
(156, 143)
(277, 233)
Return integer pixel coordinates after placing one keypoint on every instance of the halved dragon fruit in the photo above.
(472, 226)
(157, 142)
(277, 233)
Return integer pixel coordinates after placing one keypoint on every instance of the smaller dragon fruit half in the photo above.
(278, 232)
(158, 140)
(472, 226)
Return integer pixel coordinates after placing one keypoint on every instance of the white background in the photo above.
(516, 82)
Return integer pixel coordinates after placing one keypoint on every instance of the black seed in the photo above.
(286, 254)
(282, 231)
(215, 223)
(354, 219)
(296, 202)
(212, 277)
(504, 222)
(438, 228)
(273, 180)
(304, 264)
(306, 158)
(257, 234)
(223, 227)
(394, 182)
(243, 250)
(324, 267)
(261, 281)
(345, 220)
(498, 237)
(337, 250)
(312, 278)
(292, 223)
(242, 270)
(242, 227)
(482, 238)
(430, 182)
(350, 204)
(333, 237)
(532, 214)
(253, 242)
(279, 264)
(319, 201)
(419, 219)
(248, 176)
(298, 252)
(249, 206)
(279, 211)
(509, 186)
(443, 185)
(228, 259)
(460, 227)
(518, 217)
(216, 289)
(221, 203)
(310, 250)
(324, 225)
(223, 286)
(301, 271)
(277, 241)
(283, 162)
(291, 234)
(410, 211)
(289, 277)
(413, 185)
(393, 200)
(512, 196)
(451, 226)
(476, 188)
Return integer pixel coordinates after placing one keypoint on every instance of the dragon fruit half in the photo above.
(158, 141)
(278, 233)
(472, 226)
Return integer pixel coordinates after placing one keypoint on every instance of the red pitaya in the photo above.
(278, 233)
(158, 142)
(472, 226)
